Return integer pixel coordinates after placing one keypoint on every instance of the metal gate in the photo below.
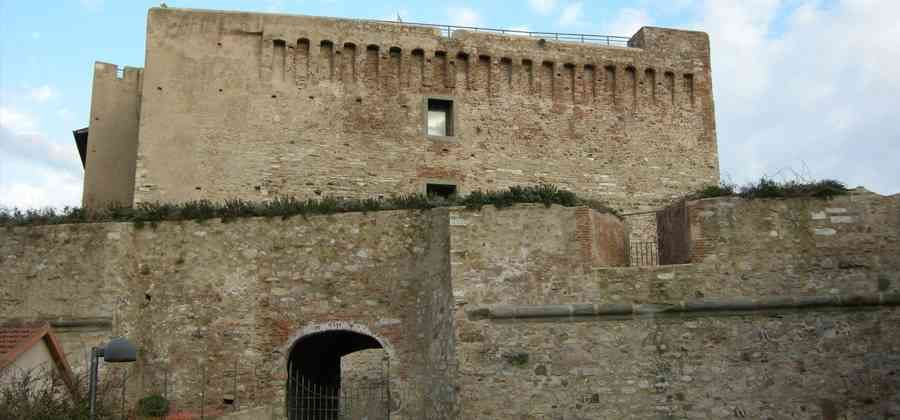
(309, 400)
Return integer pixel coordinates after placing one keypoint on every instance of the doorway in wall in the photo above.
(338, 375)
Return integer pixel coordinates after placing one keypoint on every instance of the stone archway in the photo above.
(316, 388)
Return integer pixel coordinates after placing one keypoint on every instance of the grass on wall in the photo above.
(286, 207)
(768, 188)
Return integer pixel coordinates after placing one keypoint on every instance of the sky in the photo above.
(804, 89)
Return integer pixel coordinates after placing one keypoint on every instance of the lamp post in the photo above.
(118, 350)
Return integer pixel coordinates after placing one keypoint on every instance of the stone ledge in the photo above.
(702, 306)
(62, 323)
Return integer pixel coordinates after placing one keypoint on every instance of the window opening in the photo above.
(440, 117)
(440, 190)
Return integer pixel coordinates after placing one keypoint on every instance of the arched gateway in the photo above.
(325, 384)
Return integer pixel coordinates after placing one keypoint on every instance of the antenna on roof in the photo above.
(399, 19)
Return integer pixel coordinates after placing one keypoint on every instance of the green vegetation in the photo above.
(768, 188)
(517, 359)
(285, 207)
(41, 394)
(153, 406)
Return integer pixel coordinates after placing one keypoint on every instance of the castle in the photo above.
(750, 309)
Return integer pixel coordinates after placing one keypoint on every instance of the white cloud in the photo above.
(627, 22)
(806, 86)
(42, 93)
(570, 14)
(463, 16)
(17, 122)
(543, 7)
(43, 189)
(36, 170)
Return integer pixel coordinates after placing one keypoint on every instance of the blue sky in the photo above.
(803, 88)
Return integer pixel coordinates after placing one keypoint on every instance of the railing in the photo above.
(309, 400)
(447, 30)
(643, 253)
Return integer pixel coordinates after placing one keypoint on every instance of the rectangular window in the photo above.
(440, 190)
(440, 117)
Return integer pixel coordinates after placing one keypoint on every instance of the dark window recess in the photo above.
(440, 117)
(440, 190)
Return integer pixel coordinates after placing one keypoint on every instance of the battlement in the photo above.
(126, 74)
(395, 58)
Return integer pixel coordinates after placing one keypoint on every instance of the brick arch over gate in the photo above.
(313, 363)
(333, 326)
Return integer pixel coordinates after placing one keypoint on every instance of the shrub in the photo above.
(153, 406)
(286, 207)
(41, 394)
(517, 359)
(768, 188)
(724, 189)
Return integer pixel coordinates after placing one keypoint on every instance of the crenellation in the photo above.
(463, 74)
(527, 85)
(568, 79)
(372, 66)
(650, 86)
(688, 90)
(348, 63)
(326, 60)
(589, 84)
(610, 84)
(394, 77)
(418, 78)
(670, 86)
(547, 80)
(279, 60)
(441, 71)
(302, 62)
(506, 76)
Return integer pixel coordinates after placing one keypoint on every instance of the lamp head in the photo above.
(120, 350)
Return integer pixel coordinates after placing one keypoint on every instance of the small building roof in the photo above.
(81, 141)
(17, 337)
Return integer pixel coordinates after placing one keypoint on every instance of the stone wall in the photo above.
(528, 253)
(499, 313)
(818, 365)
(856, 231)
(784, 325)
(259, 105)
(203, 299)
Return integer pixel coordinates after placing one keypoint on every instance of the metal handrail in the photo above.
(447, 30)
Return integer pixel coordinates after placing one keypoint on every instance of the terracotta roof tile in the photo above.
(17, 337)
(14, 335)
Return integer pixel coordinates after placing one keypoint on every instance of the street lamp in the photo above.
(118, 350)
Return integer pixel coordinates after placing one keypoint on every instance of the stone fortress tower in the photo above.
(764, 309)
(244, 105)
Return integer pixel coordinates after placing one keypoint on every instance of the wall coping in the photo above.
(677, 308)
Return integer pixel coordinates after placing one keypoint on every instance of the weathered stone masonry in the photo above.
(206, 296)
(243, 105)
(789, 313)
(768, 309)
(479, 308)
